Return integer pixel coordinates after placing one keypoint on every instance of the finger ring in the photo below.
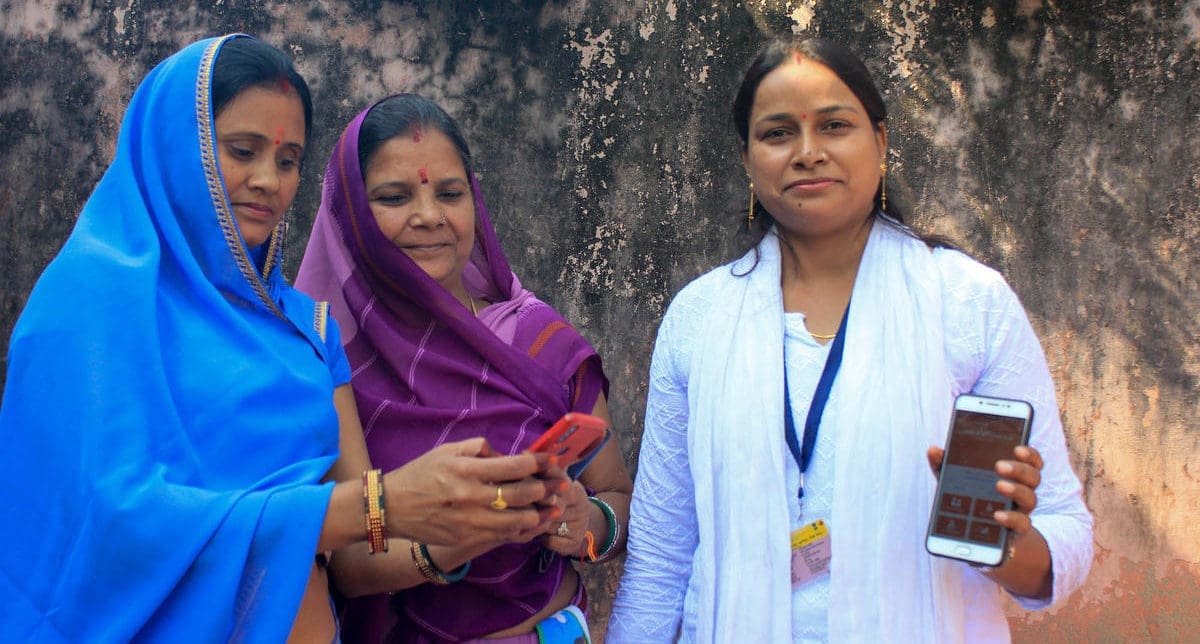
(499, 503)
(563, 530)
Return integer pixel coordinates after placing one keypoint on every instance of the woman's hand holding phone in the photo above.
(444, 496)
(1027, 573)
(1019, 479)
(576, 516)
(572, 441)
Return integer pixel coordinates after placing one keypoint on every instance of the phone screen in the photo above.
(961, 525)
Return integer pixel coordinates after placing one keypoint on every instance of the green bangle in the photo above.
(453, 575)
(614, 528)
(430, 570)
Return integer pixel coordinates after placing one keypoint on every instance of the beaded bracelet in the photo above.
(374, 508)
(430, 571)
(614, 531)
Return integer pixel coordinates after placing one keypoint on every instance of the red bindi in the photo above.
(416, 134)
(803, 116)
(278, 136)
(424, 177)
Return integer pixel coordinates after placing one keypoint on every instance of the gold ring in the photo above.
(499, 503)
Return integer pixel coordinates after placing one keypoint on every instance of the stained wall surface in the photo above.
(1055, 139)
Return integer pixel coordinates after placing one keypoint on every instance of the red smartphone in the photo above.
(574, 439)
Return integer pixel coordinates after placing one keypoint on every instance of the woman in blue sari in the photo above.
(180, 439)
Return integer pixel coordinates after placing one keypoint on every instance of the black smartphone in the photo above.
(983, 430)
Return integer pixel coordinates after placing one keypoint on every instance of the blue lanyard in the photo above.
(812, 424)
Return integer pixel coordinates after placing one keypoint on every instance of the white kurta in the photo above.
(714, 499)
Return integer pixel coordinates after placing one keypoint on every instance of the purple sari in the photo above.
(426, 372)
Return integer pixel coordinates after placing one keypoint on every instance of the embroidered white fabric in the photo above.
(805, 359)
(990, 349)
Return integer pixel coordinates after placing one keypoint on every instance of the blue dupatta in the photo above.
(168, 412)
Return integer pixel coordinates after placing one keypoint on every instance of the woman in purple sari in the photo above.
(444, 344)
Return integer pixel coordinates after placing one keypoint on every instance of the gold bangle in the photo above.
(375, 511)
(430, 571)
(424, 565)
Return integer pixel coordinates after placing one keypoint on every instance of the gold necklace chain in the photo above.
(473, 311)
(823, 336)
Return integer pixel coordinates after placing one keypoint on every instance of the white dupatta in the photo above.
(890, 401)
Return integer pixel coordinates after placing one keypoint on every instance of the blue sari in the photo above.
(168, 413)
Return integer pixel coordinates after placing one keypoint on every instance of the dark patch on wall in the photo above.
(48, 169)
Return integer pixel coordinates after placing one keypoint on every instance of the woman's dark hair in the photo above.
(851, 70)
(398, 115)
(249, 62)
(842, 61)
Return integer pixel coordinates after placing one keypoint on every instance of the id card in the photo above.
(811, 552)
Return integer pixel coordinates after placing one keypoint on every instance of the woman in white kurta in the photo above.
(716, 496)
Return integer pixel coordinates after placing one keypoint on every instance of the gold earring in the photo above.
(750, 213)
(883, 188)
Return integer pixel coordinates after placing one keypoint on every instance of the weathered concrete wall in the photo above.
(1056, 139)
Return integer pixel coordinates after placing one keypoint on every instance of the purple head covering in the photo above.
(426, 371)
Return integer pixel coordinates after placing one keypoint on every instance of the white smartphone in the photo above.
(983, 430)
